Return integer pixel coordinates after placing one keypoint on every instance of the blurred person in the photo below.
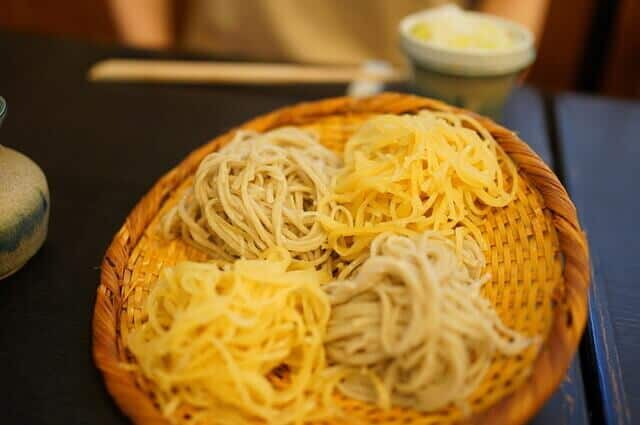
(306, 31)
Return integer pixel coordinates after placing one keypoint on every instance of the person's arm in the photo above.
(144, 23)
(530, 13)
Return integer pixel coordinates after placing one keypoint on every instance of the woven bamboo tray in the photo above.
(538, 259)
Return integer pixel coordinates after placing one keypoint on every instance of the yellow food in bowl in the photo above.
(455, 29)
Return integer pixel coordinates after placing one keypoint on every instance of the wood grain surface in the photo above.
(601, 153)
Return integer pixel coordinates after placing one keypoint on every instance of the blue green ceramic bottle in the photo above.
(24, 207)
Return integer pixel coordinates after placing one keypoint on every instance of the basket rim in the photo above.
(569, 318)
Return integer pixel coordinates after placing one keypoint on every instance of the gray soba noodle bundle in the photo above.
(259, 191)
(412, 328)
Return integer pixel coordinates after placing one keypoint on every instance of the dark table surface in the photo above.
(601, 155)
(102, 146)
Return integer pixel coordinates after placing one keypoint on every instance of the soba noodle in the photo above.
(258, 192)
(412, 329)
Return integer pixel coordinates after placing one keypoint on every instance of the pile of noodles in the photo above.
(412, 173)
(213, 343)
(412, 328)
(396, 221)
(258, 192)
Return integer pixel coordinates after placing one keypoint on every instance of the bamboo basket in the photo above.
(538, 259)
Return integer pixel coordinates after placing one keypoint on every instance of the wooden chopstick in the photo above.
(192, 72)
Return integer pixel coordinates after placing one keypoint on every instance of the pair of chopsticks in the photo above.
(197, 72)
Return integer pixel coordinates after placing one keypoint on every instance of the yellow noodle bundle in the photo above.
(214, 340)
(412, 329)
(258, 192)
(407, 174)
